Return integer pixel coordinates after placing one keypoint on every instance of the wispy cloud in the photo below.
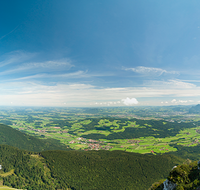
(9, 33)
(39, 67)
(78, 74)
(170, 84)
(196, 81)
(150, 71)
(15, 58)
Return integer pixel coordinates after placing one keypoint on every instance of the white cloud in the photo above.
(173, 101)
(129, 101)
(169, 84)
(107, 103)
(150, 71)
(180, 84)
(183, 101)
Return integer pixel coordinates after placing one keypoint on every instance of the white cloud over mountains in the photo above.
(129, 102)
(181, 101)
(173, 101)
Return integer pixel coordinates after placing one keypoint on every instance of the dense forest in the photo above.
(15, 138)
(82, 170)
(107, 170)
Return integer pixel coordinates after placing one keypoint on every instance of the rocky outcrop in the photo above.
(174, 167)
(198, 165)
(185, 176)
(168, 185)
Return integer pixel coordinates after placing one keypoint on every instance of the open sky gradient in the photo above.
(99, 53)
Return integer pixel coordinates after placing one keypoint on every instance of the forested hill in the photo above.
(82, 170)
(15, 138)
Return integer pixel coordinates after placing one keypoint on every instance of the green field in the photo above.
(83, 130)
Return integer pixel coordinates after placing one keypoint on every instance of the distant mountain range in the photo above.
(195, 109)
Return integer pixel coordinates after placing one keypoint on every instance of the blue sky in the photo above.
(99, 53)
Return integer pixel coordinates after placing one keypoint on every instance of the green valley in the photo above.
(79, 129)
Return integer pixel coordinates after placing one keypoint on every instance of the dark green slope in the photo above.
(108, 170)
(185, 152)
(83, 170)
(15, 138)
